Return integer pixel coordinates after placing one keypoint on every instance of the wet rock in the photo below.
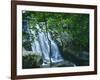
(64, 64)
(60, 64)
(84, 55)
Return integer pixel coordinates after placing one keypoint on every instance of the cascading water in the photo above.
(41, 45)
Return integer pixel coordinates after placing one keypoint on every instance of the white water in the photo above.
(41, 46)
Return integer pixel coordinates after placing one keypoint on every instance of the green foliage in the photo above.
(68, 29)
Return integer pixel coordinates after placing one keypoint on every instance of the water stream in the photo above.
(41, 46)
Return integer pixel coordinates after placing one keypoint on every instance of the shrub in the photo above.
(32, 61)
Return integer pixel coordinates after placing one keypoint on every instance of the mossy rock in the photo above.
(32, 61)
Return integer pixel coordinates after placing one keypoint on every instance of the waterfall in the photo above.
(41, 46)
(41, 43)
